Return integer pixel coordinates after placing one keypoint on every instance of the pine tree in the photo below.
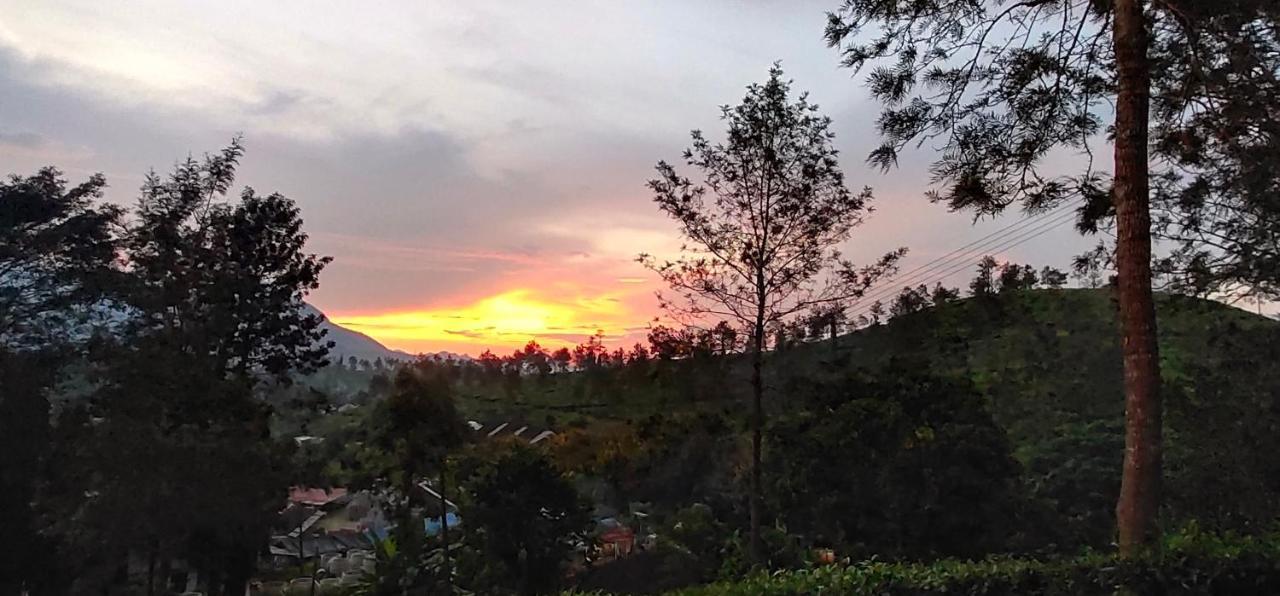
(763, 225)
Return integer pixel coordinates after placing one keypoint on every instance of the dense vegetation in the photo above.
(957, 409)
(1189, 564)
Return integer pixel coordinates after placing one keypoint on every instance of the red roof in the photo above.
(622, 534)
(314, 496)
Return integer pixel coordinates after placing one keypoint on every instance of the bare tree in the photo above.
(762, 228)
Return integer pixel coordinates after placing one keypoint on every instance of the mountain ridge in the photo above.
(348, 343)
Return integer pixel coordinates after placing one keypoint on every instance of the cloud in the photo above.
(442, 153)
(29, 146)
(22, 140)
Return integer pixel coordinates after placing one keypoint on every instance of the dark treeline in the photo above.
(135, 348)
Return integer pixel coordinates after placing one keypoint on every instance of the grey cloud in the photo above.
(24, 140)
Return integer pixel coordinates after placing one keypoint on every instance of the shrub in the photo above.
(1191, 563)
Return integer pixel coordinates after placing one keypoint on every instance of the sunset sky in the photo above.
(476, 169)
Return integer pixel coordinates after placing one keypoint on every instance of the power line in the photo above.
(965, 253)
(1023, 237)
(964, 248)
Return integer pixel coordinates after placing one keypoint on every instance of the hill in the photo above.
(1051, 357)
(1048, 365)
(348, 343)
(1044, 357)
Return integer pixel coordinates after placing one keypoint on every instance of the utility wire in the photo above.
(964, 254)
(1023, 236)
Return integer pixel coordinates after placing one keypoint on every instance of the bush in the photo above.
(1191, 563)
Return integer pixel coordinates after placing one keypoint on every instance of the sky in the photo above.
(476, 169)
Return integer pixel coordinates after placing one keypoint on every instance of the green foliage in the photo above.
(1049, 365)
(766, 216)
(417, 426)
(1224, 425)
(226, 279)
(695, 531)
(1075, 474)
(896, 463)
(57, 261)
(524, 520)
(1191, 564)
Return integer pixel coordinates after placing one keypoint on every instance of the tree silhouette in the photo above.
(57, 248)
(57, 261)
(763, 225)
(228, 277)
(213, 298)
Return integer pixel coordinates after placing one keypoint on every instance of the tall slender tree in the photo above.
(1002, 84)
(763, 226)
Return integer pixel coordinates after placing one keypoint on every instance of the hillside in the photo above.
(1052, 357)
(1048, 365)
(1044, 357)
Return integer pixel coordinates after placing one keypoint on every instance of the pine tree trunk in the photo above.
(757, 423)
(1138, 507)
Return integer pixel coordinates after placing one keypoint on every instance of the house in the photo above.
(317, 522)
(517, 429)
(617, 543)
(315, 497)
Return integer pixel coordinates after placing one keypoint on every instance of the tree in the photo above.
(984, 283)
(1006, 83)
(525, 517)
(213, 301)
(1053, 278)
(26, 442)
(1215, 96)
(57, 261)
(942, 294)
(560, 360)
(227, 279)
(827, 319)
(764, 223)
(419, 426)
(911, 300)
(1015, 277)
(57, 251)
(536, 359)
(895, 462)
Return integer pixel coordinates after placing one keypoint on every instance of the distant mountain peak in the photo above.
(348, 343)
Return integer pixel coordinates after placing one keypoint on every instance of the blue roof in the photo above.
(433, 524)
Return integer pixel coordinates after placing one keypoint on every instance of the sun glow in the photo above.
(505, 320)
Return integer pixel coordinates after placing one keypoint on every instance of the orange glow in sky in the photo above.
(504, 322)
